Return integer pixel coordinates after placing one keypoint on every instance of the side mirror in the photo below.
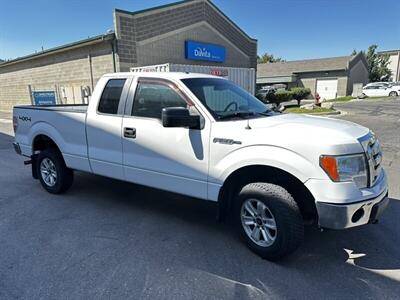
(179, 117)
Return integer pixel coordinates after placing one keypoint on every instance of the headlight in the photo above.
(346, 168)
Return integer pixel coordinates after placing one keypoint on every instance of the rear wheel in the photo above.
(53, 174)
(269, 220)
(393, 94)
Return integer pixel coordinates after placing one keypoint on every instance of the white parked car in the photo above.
(379, 90)
(205, 137)
(384, 83)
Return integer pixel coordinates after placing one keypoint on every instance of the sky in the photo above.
(290, 29)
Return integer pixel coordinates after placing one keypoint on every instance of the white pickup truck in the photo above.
(205, 137)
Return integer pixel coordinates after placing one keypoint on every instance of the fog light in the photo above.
(357, 215)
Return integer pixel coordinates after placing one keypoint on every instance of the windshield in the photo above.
(225, 100)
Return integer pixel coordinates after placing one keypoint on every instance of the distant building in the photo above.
(394, 63)
(329, 77)
(191, 32)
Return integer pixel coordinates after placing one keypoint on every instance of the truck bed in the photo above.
(64, 124)
(79, 108)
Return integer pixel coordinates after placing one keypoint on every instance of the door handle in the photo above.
(130, 132)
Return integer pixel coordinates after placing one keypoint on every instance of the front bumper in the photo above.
(341, 216)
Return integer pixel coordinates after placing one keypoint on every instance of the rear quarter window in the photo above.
(109, 100)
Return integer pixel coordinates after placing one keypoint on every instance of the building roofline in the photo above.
(69, 46)
(183, 2)
(310, 59)
(136, 12)
(389, 51)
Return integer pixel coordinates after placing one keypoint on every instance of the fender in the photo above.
(74, 154)
(280, 158)
(44, 128)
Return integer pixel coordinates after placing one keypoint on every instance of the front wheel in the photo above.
(269, 220)
(393, 94)
(53, 174)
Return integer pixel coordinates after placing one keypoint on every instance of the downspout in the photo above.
(113, 49)
(398, 67)
(91, 70)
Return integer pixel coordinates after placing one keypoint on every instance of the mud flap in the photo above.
(34, 167)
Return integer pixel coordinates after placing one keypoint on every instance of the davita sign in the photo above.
(204, 51)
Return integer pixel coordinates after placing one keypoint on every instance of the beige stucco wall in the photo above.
(394, 66)
(68, 70)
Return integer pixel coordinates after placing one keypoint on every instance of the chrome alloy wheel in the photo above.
(258, 222)
(48, 172)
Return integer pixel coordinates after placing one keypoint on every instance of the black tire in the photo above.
(393, 94)
(64, 175)
(288, 219)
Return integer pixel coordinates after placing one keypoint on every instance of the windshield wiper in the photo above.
(236, 114)
(266, 113)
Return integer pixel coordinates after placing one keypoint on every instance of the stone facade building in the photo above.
(148, 37)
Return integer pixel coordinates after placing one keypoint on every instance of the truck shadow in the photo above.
(365, 257)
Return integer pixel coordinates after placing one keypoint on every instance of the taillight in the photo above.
(15, 123)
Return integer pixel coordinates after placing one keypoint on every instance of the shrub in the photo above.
(300, 93)
(282, 96)
(279, 96)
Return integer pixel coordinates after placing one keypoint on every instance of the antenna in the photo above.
(248, 125)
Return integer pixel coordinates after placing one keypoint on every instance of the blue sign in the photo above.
(44, 98)
(203, 51)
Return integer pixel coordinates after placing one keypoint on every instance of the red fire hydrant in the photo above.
(317, 98)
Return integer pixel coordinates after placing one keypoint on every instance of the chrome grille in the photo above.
(373, 153)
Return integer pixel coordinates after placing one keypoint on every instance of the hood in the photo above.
(299, 133)
(313, 126)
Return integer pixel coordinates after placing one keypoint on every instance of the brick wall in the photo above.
(171, 48)
(131, 29)
(69, 69)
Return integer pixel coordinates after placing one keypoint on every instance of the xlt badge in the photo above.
(226, 141)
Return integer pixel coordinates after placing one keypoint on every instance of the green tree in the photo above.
(268, 58)
(377, 64)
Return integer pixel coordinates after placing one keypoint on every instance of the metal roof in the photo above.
(303, 66)
(389, 51)
(80, 43)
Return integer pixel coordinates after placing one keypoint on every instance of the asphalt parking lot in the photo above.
(110, 239)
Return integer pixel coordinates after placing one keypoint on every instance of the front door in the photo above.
(174, 159)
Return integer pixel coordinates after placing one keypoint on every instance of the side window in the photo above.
(151, 98)
(109, 100)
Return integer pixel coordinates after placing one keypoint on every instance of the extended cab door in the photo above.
(103, 127)
(174, 159)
